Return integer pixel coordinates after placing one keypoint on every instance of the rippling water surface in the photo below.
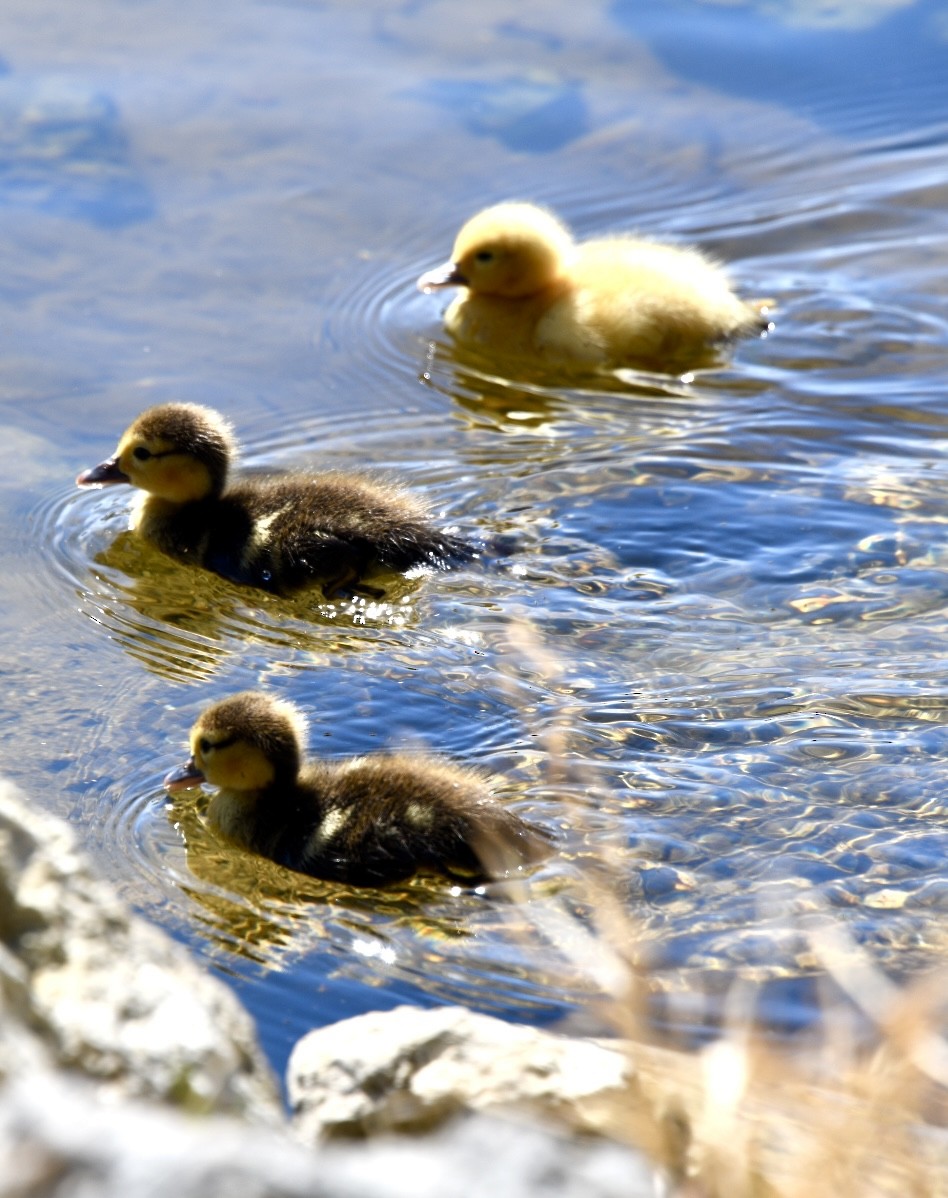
(705, 643)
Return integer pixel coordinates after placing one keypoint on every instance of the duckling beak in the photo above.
(448, 275)
(102, 475)
(184, 777)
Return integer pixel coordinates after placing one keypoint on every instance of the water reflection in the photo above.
(539, 401)
(826, 52)
(532, 114)
(66, 150)
(210, 618)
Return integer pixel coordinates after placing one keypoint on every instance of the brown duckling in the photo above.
(531, 292)
(274, 533)
(366, 821)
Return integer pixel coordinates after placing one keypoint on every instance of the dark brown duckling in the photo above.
(274, 533)
(367, 821)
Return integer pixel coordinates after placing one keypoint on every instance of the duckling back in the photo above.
(281, 534)
(380, 819)
(641, 303)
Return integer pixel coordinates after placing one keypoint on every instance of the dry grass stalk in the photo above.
(861, 1114)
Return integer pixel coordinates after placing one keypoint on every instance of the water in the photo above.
(708, 647)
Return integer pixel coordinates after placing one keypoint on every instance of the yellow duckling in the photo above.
(531, 292)
(272, 533)
(366, 821)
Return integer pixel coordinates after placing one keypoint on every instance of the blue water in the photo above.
(853, 69)
(708, 654)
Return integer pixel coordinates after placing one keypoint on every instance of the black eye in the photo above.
(204, 746)
(484, 256)
(141, 454)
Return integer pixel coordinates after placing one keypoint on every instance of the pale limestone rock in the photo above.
(60, 1139)
(479, 1154)
(408, 1069)
(107, 993)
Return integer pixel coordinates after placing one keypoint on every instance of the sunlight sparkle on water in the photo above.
(373, 949)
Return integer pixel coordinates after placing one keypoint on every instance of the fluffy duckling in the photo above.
(273, 533)
(366, 821)
(533, 293)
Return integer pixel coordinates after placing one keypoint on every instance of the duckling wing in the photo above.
(646, 303)
(229, 536)
(332, 528)
(278, 535)
(212, 533)
(348, 828)
(381, 522)
(387, 817)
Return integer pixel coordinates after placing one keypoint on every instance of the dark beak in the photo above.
(102, 475)
(184, 777)
(448, 275)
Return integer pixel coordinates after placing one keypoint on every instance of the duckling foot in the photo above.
(347, 584)
(369, 592)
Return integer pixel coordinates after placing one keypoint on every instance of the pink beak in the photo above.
(184, 777)
(102, 475)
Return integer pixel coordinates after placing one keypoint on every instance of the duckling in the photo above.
(366, 821)
(274, 533)
(531, 292)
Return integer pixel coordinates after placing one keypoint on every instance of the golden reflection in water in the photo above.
(531, 398)
(471, 367)
(881, 597)
(256, 909)
(182, 623)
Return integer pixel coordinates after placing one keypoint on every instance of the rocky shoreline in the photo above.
(125, 1069)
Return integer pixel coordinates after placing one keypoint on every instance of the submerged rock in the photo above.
(534, 114)
(64, 150)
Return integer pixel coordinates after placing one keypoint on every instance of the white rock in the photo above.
(407, 1069)
(109, 994)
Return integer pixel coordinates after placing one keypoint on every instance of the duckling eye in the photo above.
(204, 746)
(141, 454)
(484, 256)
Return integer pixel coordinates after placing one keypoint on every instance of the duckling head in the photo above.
(176, 451)
(511, 250)
(248, 742)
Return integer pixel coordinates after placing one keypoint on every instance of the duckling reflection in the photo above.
(367, 821)
(274, 533)
(539, 403)
(250, 907)
(532, 293)
(183, 625)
